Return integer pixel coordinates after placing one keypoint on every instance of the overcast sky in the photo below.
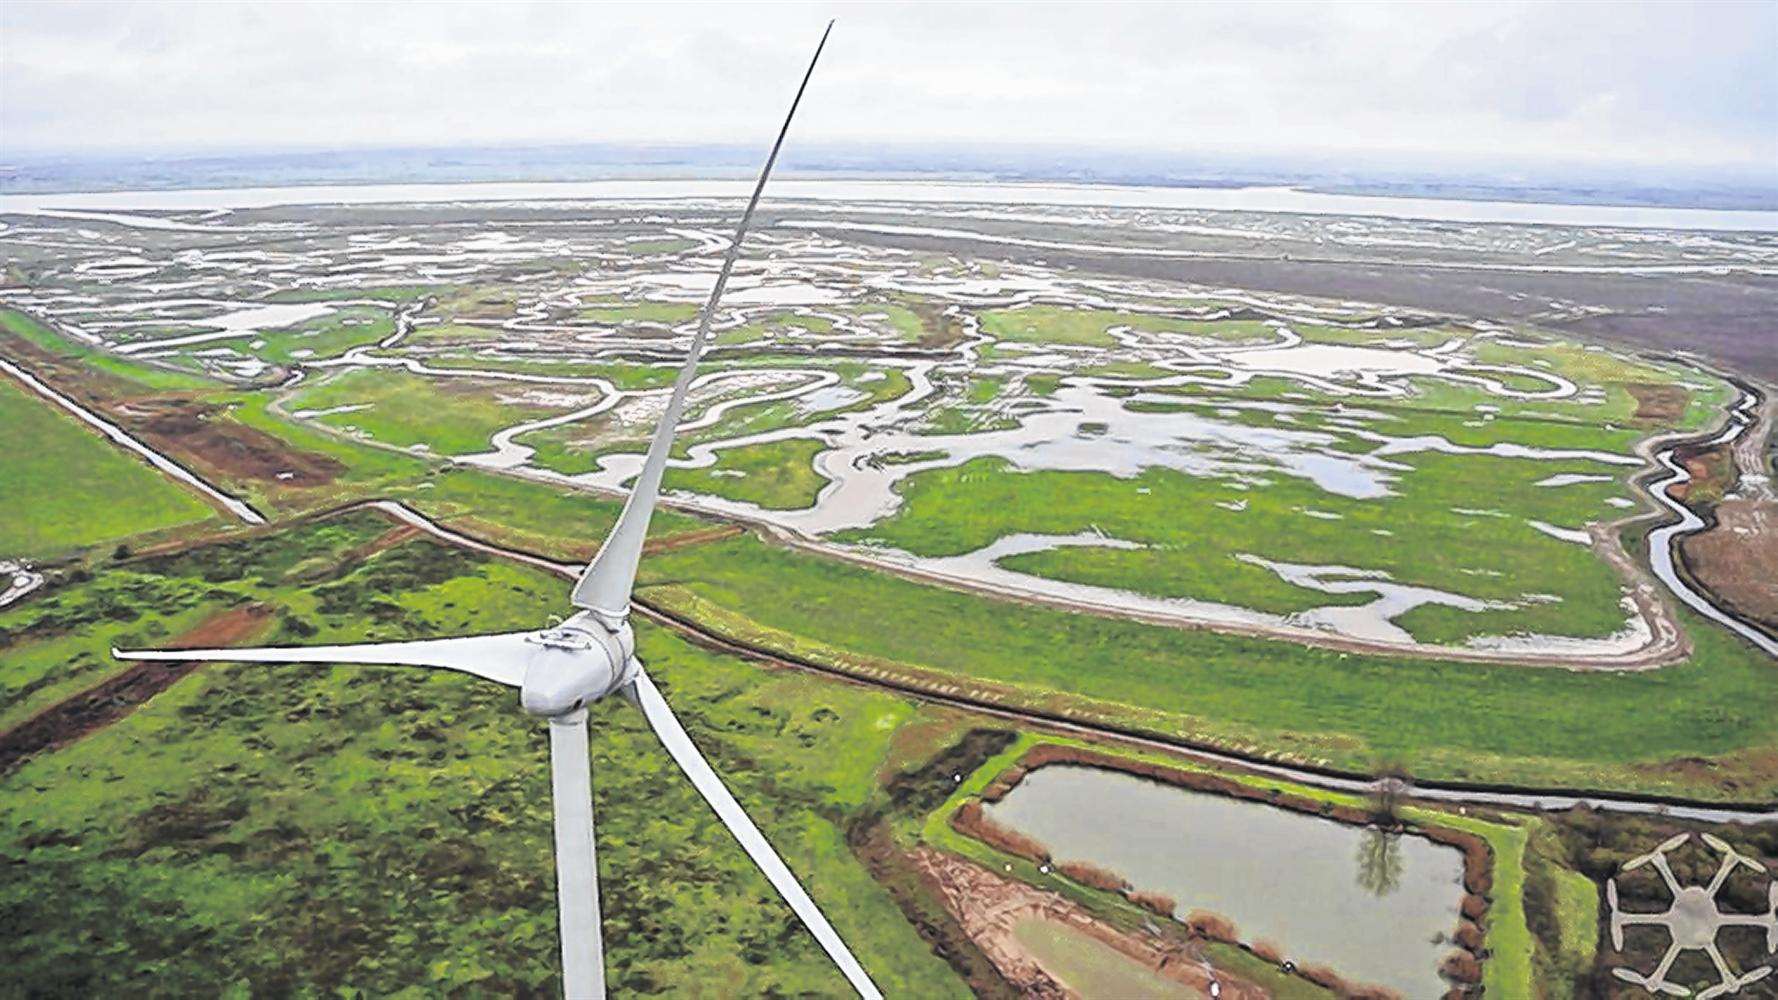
(1669, 82)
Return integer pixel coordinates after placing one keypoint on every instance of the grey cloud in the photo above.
(1571, 81)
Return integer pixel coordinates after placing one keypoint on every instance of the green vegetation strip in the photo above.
(1454, 721)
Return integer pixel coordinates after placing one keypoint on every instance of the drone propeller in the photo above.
(1617, 919)
(1728, 851)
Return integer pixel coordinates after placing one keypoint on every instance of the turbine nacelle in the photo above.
(576, 663)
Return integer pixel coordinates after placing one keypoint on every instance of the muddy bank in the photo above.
(1736, 560)
(990, 907)
(118, 696)
(919, 897)
(911, 793)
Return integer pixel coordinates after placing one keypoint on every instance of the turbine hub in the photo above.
(574, 664)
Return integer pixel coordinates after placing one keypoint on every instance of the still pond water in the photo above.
(1283, 876)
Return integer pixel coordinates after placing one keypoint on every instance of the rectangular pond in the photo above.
(1379, 910)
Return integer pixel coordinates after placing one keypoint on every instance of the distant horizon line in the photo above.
(982, 154)
(1558, 183)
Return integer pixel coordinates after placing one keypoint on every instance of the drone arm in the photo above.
(491, 657)
(685, 753)
(605, 586)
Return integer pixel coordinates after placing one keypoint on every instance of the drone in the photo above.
(1693, 919)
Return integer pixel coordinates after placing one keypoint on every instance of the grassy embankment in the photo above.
(293, 829)
(1474, 722)
(134, 374)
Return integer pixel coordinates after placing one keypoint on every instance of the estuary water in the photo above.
(1245, 199)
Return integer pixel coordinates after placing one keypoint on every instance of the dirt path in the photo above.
(112, 699)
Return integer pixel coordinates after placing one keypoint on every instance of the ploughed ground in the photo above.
(117, 696)
(204, 434)
(187, 430)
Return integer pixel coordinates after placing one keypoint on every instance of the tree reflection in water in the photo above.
(1379, 861)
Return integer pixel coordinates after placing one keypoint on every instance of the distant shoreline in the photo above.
(923, 189)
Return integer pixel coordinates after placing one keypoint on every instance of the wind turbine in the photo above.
(560, 670)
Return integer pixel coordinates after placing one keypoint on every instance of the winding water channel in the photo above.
(1663, 542)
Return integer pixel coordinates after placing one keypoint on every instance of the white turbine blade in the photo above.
(499, 658)
(605, 585)
(703, 777)
(577, 867)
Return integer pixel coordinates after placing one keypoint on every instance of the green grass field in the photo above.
(347, 830)
(327, 336)
(64, 487)
(777, 475)
(1197, 528)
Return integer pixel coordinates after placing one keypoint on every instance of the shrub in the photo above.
(1268, 950)
(969, 819)
(1092, 875)
(1158, 903)
(1215, 927)
(1461, 967)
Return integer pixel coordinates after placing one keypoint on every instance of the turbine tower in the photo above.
(592, 655)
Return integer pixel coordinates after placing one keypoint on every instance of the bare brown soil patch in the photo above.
(990, 907)
(919, 897)
(1737, 559)
(118, 696)
(69, 376)
(205, 435)
(1656, 402)
(942, 329)
(1713, 475)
